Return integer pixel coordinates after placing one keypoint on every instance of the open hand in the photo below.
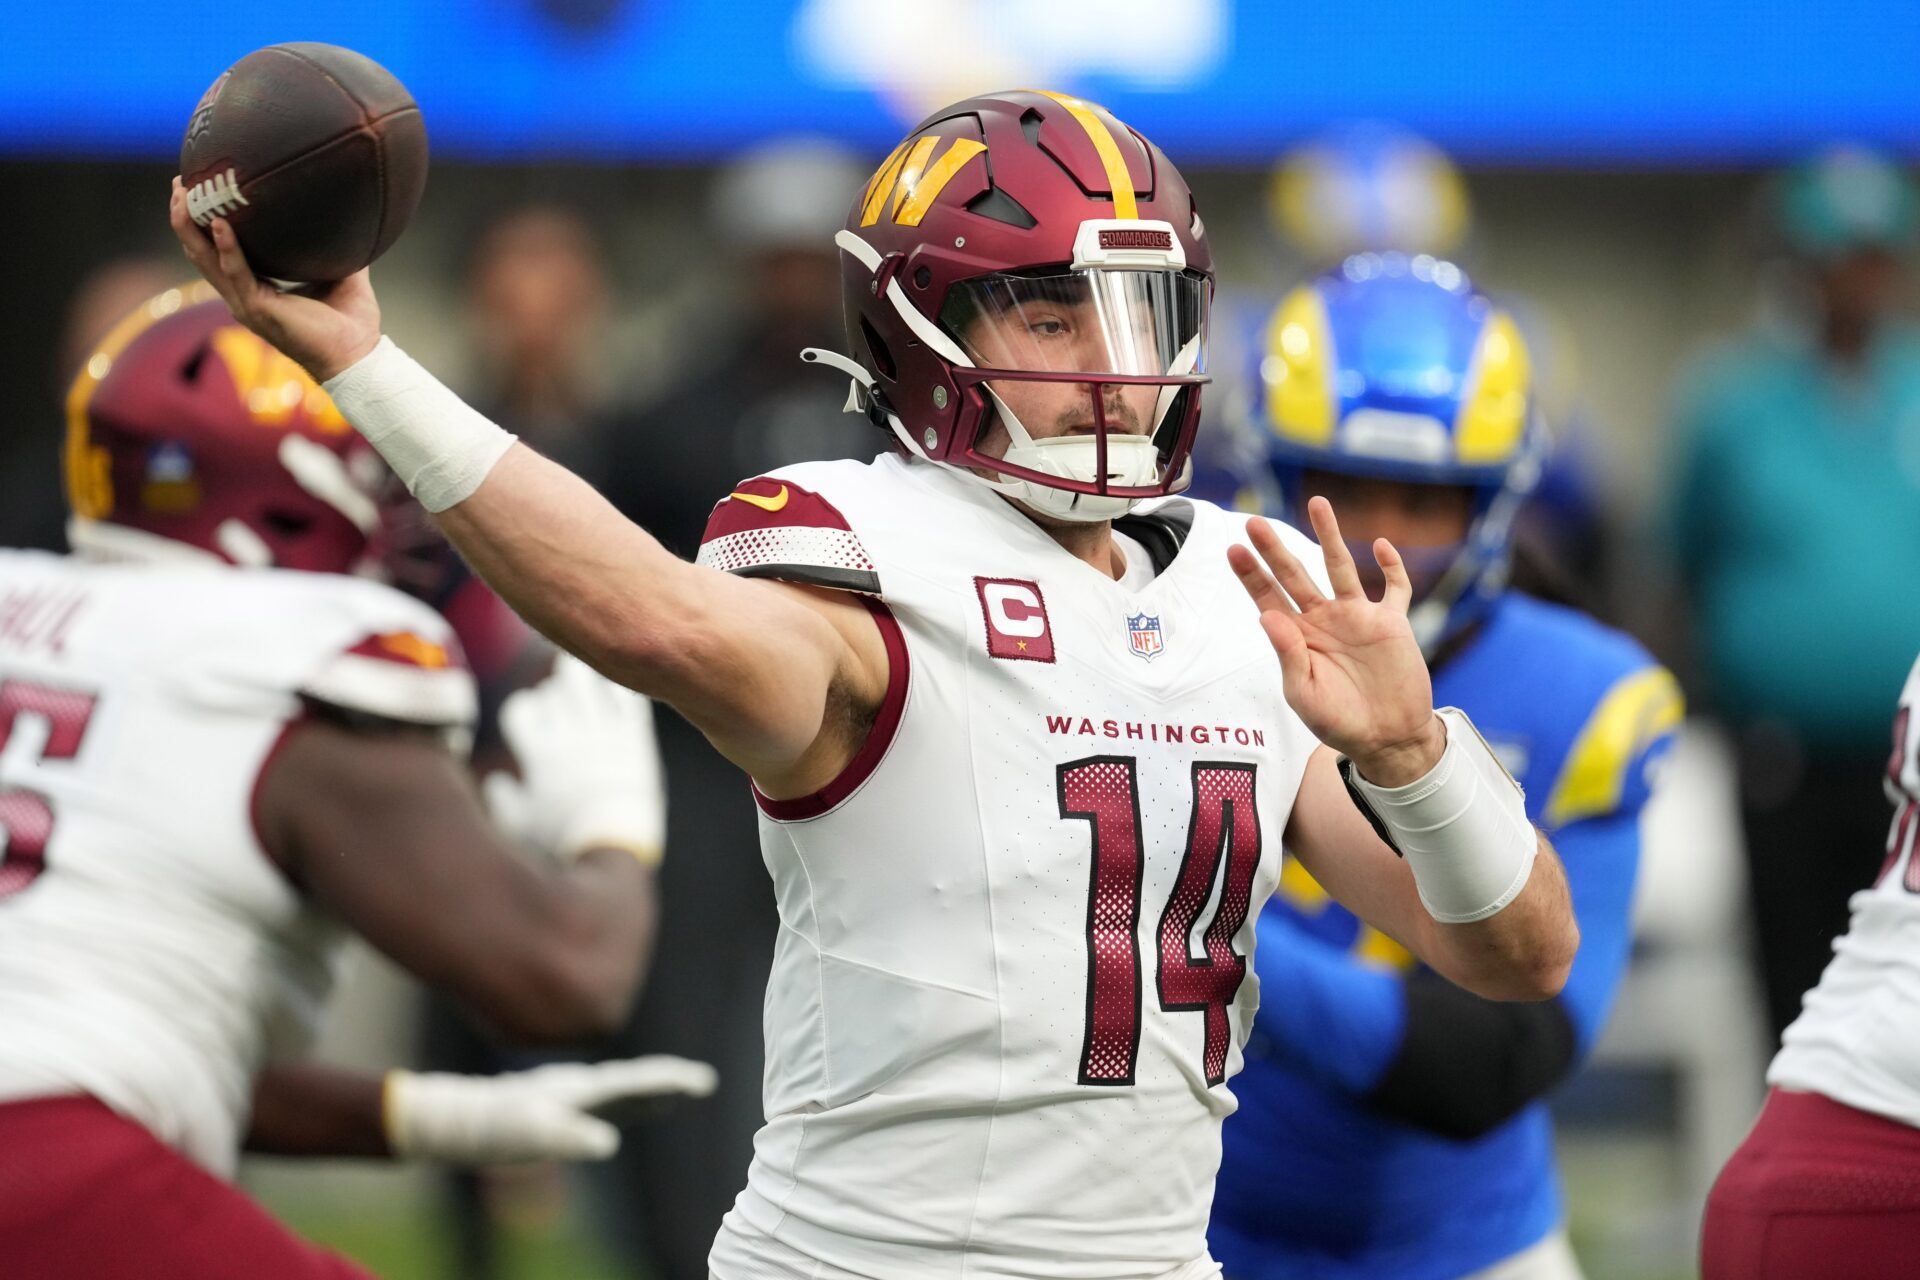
(323, 328)
(1349, 665)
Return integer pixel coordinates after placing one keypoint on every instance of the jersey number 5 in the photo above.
(1105, 792)
(26, 819)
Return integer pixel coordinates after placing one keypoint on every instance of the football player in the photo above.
(219, 753)
(1391, 1123)
(1828, 1182)
(1024, 764)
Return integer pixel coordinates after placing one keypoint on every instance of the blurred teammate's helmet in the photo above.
(1368, 187)
(1030, 238)
(188, 437)
(1842, 200)
(1396, 368)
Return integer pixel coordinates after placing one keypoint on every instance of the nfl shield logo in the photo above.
(1143, 635)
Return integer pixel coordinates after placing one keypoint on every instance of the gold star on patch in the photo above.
(1022, 644)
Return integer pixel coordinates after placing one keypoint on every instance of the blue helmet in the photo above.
(1367, 187)
(1394, 367)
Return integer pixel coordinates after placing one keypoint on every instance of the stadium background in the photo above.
(1613, 155)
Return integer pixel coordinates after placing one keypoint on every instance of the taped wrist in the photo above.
(1462, 828)
(393, 1112)
(440, 446)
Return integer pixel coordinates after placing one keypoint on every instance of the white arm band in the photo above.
(1462, 828)
(440, 446)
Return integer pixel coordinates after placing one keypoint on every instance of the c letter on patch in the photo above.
(1016, 618)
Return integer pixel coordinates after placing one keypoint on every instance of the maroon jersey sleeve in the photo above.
(773, 528)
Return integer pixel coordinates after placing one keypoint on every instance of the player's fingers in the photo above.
(193, 241)
(568, 1135)
(233, 262)
(1254, 577)
(1283, 633)
(655, 1076)
(1292, 576)
(1342, 573)
(1399, 592)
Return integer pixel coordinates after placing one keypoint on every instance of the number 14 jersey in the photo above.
(1012, 976)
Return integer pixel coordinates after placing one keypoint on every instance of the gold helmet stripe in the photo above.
(1124, 204)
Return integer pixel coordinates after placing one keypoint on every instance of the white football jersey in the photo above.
(1013, 973)
(151, 955)
(1856, 1039)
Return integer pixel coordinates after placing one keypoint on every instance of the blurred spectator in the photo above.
(538, 307)
(1794, 519)
(538, 297)
(752, 407)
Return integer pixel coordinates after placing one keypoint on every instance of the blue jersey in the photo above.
(1315, 1186)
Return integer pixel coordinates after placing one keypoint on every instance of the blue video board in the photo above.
(1625, 82)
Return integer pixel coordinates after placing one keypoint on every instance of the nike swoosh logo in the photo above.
(765, 504)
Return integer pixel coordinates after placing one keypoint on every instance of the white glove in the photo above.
(542, 1114)
(589, 767)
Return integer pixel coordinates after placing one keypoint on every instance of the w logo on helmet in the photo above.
(913, 182)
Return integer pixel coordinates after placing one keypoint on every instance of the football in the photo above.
(315, 154)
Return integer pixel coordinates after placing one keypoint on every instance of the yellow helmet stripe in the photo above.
(881, 184)
(1493, 414)
(921, 194)
(89, 479)
(1124, 203)
(1297, 370)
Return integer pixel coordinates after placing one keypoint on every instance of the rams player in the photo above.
(1391, 1124)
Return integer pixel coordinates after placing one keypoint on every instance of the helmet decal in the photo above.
(271, 385)
(912, 183)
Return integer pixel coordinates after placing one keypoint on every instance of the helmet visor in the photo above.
(1134, 323)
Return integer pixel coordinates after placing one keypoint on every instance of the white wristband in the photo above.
(440, 446)
(1462, 828)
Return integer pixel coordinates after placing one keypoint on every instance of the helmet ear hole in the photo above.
(1030, 125)
(190, 371)
(1001, 207)
(287, 524)
(877, 348)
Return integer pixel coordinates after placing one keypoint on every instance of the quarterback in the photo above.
(219, 753)
(1023, 758)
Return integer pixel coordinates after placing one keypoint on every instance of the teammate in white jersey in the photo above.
(1025, 766)
(1828, 1182)
(218, 754)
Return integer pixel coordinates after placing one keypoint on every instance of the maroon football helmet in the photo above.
(184, 430)
(1021, 260)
